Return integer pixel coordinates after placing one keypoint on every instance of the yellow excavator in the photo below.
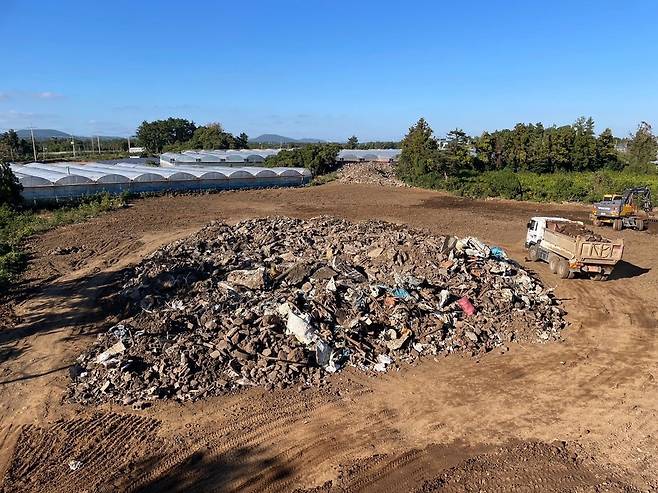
(632, 209)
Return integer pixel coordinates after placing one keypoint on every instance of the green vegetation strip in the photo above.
(537, 187)
(17, 225)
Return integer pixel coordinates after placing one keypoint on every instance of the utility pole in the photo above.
(34, 147)
(73, 144)
(98, 140)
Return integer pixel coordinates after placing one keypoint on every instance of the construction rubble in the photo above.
(276, 302)
(373, 173)
(575, 229)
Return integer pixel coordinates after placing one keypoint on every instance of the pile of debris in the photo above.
(277, 301)
(373, 173)
(575, 229)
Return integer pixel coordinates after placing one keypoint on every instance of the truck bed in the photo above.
(583, 250)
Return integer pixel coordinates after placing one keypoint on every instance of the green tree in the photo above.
(583, 155)
(419, 154)
(606, 154)
(352, 142)
(211, 136)
(642, 150)
(485, 156)
(159, 133)
(457, 152)
(10, 188)
(539, 151)
(12, 143)
(242, 141)
(560, 148)
(317, 158)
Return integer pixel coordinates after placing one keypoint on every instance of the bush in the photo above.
(503, 184)
(536, 187)
(324, 179)
(10, 188)
(319, 159)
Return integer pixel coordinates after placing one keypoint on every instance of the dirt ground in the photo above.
(576, 415)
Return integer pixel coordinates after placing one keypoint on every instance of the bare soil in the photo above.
(576, 415)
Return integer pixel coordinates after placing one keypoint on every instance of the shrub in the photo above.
(503, 184)
(10, 188)
(319, 159)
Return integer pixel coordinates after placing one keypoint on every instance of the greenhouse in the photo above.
(216, 157)
(63, 181)
(359, 155)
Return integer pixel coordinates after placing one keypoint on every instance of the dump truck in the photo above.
(632, 209)
(569, 248)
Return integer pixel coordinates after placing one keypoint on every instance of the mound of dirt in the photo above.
(374, 173)
(575, 229)
(278, 301)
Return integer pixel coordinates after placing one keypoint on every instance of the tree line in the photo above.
(526, 147)
(176, 134)
(13, 148)
(353, 143)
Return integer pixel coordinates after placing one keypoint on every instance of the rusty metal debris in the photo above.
(276, 302)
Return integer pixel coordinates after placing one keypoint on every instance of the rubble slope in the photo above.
(277, 301)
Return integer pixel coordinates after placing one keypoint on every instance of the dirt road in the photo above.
(578, 415)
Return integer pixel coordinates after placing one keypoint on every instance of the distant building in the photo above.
(621, 147)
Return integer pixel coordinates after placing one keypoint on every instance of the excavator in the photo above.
(632, 209)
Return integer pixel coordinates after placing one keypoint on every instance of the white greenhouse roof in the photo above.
(43, 175)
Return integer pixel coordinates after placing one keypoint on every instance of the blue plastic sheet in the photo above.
(498, 253)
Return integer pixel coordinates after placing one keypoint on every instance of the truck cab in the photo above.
(537, 226)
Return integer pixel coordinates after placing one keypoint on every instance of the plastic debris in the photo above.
(499, 253)
(383, 360)
(111, 351)
(466, 305)
(276, 302)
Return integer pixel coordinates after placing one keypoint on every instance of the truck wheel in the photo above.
(553, 262)
(617, 224)
(563, 269)
(533, 253)
(599, 277)
(639, 224)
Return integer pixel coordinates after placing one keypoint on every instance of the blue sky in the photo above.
(327, 69)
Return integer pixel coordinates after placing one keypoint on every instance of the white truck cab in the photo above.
(536, 227)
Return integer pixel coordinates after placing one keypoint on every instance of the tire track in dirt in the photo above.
(599, 380)
(304, 456)
(531, 466)
(245, 436)
(105, 445)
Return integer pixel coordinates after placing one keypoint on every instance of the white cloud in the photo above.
(21, 95)
(47, 95)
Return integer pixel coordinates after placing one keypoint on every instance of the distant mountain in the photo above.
(280, 139)
(42, 134)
